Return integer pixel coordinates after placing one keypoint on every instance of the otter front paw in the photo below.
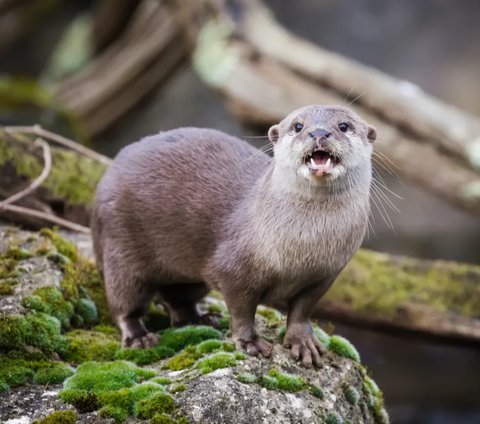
(254, 346)
(147, 340)
(305, 347)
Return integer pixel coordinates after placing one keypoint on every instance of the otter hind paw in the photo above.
(308, 349)
(255, 346)
(145, 341)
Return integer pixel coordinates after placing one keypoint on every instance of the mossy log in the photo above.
(68, 190)
(264, 72)
(434, 299)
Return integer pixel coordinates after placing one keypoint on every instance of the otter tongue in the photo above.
(320, 157)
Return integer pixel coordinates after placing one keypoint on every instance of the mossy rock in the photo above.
(193, 373)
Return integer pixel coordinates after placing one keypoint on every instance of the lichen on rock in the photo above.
(56, 338)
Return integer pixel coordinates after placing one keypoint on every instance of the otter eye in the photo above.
(298, 127)
(343, 127)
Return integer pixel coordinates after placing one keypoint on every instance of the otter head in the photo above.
(321, 143)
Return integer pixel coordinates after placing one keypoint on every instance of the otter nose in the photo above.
(320, 133)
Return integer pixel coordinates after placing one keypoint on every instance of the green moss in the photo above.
(374, 399)
(98, 377)
(163, 419)
(154, 404)
(54, 374)
(89, 345)
(87, 310)
(333, 418)
(127, 397)
(3, 386)
(268, 382)
(178, 338)
(144, 356)
(321, 335)
(74, 177)
(38, 330)
(62, 245)
(351, 394)
(316, 391)
(50, 301)
(343, 347)
(224, 324)
(82, 279)
(66, 416)
(15, 375)
(7, 286)
(118, 414)
(209, 346)
(273, 317)
(18, 253)
(179, 388)
(215, 308)
(281, 333)
(228, 347)
(247, 378)
(377, 284)
(217, 361)
(109, 330)
(83, 400)
(18, 371)
(162, 380)
(287, 382)
(184, 359)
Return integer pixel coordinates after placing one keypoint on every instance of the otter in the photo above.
(191, 209)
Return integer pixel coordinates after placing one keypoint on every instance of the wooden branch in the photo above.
(59, 139)
(435, 299)
(429, 141)
(45, 217)
(127, 71)
(66, 194)
(37, 182)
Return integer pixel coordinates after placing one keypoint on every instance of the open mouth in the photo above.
(321, 162)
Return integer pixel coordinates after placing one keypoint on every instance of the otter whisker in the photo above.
(382, 210)
(356, 98)
(387, 200)
(349, 91)
(382, 185)
(382, 163)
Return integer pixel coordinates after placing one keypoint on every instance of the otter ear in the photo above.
(372, 134)
(273, 134)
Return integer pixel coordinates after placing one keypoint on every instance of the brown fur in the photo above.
(191, 209)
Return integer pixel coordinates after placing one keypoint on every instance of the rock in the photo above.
(54, 328)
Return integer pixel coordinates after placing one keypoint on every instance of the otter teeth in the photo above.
(326, 165)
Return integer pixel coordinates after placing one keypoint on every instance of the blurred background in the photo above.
(433, 44)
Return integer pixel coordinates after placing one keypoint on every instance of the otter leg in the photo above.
(242, 306)
(299, 336)
(181, 301)
(128, 298)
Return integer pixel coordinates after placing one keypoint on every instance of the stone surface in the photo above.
(210, 383)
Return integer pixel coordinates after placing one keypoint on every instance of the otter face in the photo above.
(321, 143)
